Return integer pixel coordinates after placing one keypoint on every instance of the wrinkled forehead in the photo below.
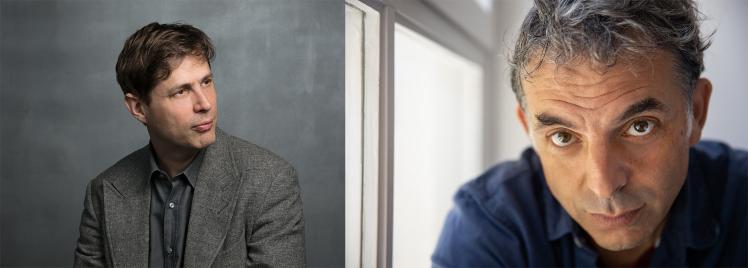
(587, 80)
(587, 94)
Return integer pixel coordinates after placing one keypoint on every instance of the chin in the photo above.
(620, 240)
(204, 140)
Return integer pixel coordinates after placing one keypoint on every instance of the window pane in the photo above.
(438, 139)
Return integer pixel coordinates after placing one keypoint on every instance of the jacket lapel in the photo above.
(127, 199)
(212, 204)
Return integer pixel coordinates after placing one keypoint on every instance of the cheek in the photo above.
(667, 155)
(660, 170)
(180, 113)
(563, 179)
(174, 116)
(212, 96)
(665, 167)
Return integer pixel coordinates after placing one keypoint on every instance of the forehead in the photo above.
(590, 86)
(187, 66)
(188, 69)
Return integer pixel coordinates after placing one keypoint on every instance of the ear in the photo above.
(521, 118)
(700, 106)
(135, 107)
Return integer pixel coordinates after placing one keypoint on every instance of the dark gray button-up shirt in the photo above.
(171, 200)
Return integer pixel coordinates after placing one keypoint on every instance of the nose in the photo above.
(202, 102)
(605, 169)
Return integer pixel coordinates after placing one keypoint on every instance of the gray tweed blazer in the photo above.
(246, 211)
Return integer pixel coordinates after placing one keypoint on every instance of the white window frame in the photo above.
(369, 154)
(362, 143)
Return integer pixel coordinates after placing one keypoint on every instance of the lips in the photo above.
(204, 126)
(617, 220)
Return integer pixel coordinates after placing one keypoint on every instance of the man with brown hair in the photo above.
(194, 196)
(611, 96)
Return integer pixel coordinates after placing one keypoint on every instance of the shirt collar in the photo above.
(690, 217)
(190, 172)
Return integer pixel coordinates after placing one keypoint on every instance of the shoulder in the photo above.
(494, 217)
(722, 164)
(503, 189)
(725, 168)
(721, 154)
(249, 156)
(504, 183)
(724, 172)
(128, 166)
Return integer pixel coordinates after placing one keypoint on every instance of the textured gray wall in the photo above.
(279, 76)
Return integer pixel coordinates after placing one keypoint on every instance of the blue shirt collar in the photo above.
(691, 216)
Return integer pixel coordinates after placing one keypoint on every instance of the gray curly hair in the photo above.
(606, 31)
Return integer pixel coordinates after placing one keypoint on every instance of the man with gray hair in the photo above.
(611, 95)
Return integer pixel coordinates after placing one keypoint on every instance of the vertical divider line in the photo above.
(386, 137)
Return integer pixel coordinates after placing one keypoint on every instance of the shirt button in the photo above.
(578, 242)
(169, 250)
(171, 205)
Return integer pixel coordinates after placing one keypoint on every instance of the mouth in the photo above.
(203, 127)
(616, 220)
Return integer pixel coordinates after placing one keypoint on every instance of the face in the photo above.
(614, 144)
(182, 112)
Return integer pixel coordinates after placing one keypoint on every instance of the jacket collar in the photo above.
(127, 199)
(129, 178)
(213, 203)
(690, 216)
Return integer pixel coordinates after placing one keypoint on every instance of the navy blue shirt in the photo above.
(508, 217)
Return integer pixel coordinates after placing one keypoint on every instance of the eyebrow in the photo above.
(545, 120)
(648, 104)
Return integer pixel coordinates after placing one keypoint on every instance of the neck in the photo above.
(623, 258)
(173, 160)
(629, 257)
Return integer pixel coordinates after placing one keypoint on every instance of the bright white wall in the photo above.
(510, 139)
(726, 67)
(438, 141)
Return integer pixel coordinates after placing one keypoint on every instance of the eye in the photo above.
(180, 92)
(207, 82)
(640, 128)
(562, 138)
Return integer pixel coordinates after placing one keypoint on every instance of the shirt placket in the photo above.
(171, 221)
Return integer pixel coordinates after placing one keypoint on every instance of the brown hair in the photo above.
(150, 54)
